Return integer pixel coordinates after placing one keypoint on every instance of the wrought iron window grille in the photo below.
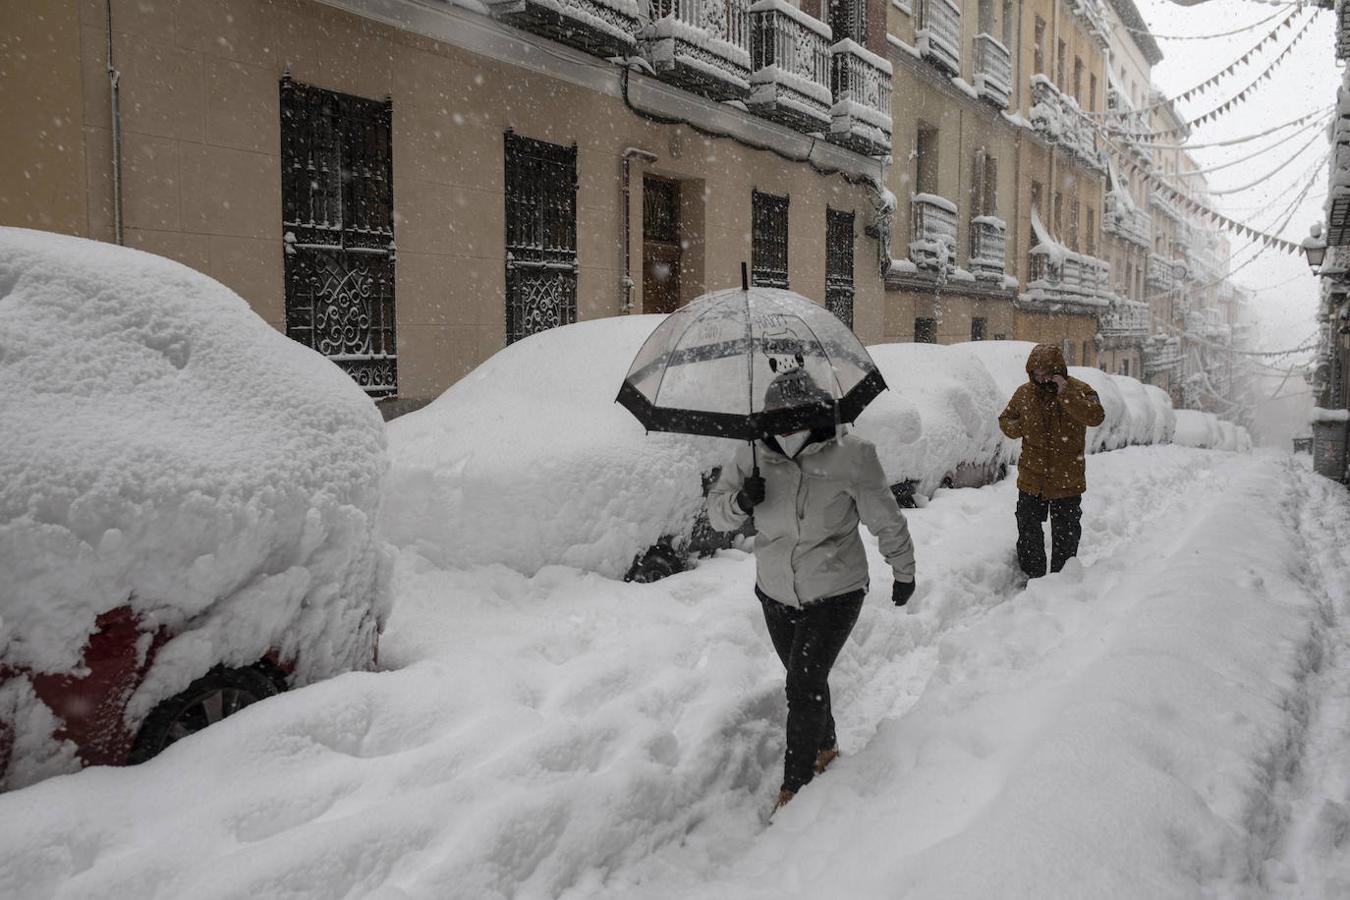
(338, 229)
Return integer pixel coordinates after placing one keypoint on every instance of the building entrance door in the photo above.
(660, 245)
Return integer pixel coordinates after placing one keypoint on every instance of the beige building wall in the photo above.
(200, 118)
(926, 97)
(42, 154)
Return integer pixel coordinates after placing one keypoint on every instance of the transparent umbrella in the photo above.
(750, 362)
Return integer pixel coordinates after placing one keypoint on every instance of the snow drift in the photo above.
(529, 462)
(162, 447)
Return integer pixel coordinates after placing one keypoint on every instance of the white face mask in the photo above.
(791, 443)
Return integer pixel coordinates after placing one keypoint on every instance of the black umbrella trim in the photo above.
(755, 425)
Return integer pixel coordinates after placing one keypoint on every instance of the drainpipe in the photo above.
(626, 286)
(114, 86)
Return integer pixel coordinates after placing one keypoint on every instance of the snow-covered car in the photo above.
(1136, 413)
(1164, 416)
(528, 461)
(937, 425)
(188, 503)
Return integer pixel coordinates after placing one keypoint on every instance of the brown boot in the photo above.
(825, 757)
(784, 797)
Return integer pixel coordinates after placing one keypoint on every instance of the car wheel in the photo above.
(217, 694)
(658, 562)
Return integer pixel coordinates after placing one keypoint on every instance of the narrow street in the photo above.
(1163, 720)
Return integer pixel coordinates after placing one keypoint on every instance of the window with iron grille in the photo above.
(978, 328)
(337, 206)
(848, 19)
(541, 236)
(925, 331)
(660, 210)
(839, 264)
(769, 240)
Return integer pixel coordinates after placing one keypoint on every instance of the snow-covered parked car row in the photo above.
(529, 462)
(197, 512)
(188, 503)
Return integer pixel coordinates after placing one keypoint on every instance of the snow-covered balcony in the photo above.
(993, 70)
(1059, 120)
(1162, 354)
(988, 247)
(603, 27)
(932, 242)
(1164, 205)
(1061, 276)
(938, 36)
(790, 66)
(1161, 274)
(1093, 15)
(701, 45)
(1207, 323)
(861, 116)
(1126, 319)
(1126, 220)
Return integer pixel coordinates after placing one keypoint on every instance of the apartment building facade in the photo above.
(408, 186)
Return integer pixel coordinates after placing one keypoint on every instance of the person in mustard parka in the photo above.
(1051, 414)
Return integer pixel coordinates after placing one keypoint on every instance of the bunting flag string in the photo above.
(1206, 37)
(1209, 82)
(1201, 211)
(1223, 108)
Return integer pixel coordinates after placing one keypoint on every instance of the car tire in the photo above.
(217, 694)
(658, 562)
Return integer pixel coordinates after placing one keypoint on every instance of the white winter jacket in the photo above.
(807, 545)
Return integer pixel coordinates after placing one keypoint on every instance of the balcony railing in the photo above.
(1127, 221)
(701, 45)
(861, 116)
(1059, 275)
(1094, 17)
(1060, 121)
(933, 241)
(1162, 354)
(790, 63)
(938, 36)
(1125, 319)
(602, 27)
(1165, 206)
(988, 247)
(993, 70)
(1161, 273)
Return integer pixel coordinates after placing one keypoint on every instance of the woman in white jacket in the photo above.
(815, 487)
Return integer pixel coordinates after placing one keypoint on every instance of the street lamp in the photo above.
(1314, 246)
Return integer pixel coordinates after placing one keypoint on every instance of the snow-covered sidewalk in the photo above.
(1137, 726)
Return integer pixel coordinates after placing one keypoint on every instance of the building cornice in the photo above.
(477, 33)
(1138, 32)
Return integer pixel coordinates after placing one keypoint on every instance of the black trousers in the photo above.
(808, 641)
(1066, 527)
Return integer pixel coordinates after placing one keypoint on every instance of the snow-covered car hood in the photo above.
(941, 411)
(162, 446)
(528, 461)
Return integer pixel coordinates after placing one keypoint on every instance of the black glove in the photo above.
(751, 493)
(901, 592)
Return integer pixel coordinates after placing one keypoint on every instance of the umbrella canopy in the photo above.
(746, 363)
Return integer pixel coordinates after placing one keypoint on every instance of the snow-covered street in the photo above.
(1167, 719)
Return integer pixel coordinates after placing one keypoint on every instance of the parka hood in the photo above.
(1048, 357)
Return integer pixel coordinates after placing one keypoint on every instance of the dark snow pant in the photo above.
(808, 641)
(1066, 527)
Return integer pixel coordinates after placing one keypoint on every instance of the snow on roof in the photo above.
(528, 461)
(163, 447)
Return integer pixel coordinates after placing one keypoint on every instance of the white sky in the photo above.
(1286, 293)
